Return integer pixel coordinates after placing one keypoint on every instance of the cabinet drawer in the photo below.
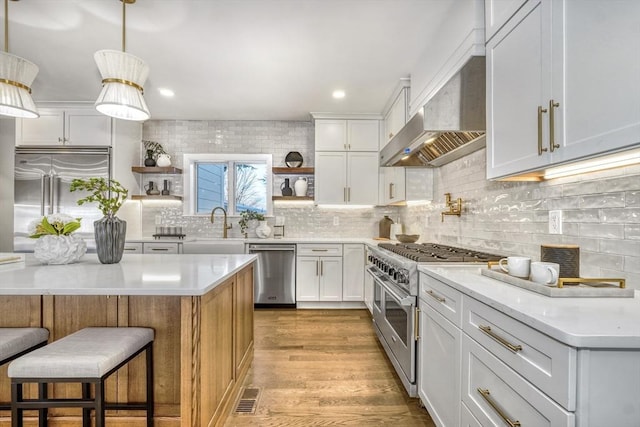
(443, 298)
(133, 248)
(547, 363)
(320, 249)
(161, 248)
(494, 393)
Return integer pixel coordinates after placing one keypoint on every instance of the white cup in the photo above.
(545, 272)
(517, 266)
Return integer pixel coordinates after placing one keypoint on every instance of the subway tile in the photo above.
(600, 260)
(632, 231)
(608, 231)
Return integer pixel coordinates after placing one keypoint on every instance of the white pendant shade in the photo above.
(123, 97)
(16, 76)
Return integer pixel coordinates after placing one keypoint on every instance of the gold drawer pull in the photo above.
(485, 395)
(436, 297)
(487, 330)
(552, 127)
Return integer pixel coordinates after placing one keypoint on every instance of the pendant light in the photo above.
(16, 76)
(123, 77)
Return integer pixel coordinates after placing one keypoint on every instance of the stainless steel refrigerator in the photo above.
(42, 181)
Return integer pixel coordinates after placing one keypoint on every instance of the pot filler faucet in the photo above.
(225, 227)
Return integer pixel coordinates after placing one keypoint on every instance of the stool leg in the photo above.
(16, 397)
(99, 403)
(43, 413)
(149, 354)
(86, 412)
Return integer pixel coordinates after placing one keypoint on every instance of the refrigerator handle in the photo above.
(43, 188)
(52, 195)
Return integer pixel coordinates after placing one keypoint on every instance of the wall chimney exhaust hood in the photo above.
(451, 125)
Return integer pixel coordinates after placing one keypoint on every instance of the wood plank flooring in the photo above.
(324, 368)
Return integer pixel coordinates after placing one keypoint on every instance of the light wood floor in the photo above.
(321, 368)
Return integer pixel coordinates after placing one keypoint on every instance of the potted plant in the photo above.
(153, 150)
(246, 217)
(110, 231)
(56, 242)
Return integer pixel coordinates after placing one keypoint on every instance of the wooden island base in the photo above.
(203, 348)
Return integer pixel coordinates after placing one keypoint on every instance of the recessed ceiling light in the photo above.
(166, 92)
(338, 94)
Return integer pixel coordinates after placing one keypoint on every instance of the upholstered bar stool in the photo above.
(14, 342)
(89, 357)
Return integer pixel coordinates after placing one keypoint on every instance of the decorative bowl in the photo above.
(407, 238)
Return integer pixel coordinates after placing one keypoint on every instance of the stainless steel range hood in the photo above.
(451, 125)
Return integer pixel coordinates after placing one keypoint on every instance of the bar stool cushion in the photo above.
(88, 353)
(16, 340)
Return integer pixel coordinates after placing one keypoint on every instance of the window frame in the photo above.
(189, 178)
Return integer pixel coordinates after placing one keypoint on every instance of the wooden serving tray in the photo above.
(588, 288)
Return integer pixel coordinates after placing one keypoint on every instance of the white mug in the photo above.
(545, 272)
(517, 266)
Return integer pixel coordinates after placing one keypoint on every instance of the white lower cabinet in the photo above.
(161, 248)
(353, 272)
(368, 291)
(467, 419)
(319, 272)
(497, 396)
(133, 247)
(439, 350)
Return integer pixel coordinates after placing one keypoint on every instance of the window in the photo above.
(237, 182)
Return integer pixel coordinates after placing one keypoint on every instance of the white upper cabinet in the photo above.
(396, 117)
(347, 135)
(346, 178)
(562, 84)
(497, 13)
(65, 126)
(392, 185)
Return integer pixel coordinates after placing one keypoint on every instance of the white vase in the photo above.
(163, 160)
(263, 230)
(50, 249)
(301, 187)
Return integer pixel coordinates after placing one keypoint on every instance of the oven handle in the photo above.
(403, 299)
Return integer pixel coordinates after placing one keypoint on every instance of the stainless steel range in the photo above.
(394, 268)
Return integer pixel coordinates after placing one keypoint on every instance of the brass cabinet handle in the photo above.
(391, 190)
(348, 194)
(540, 111)
(319, 250)
(436, 297)
(416, 324)
(344, 194)
(511, 347)
(321, 268)
(160, 249)
(485, 395)
(317, 268)
(552, 126)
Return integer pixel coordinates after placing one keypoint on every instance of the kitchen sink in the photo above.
(213, 246)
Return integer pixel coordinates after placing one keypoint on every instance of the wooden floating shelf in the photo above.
(291, 198)
(145, 197)
(292, 171)
(155, 169)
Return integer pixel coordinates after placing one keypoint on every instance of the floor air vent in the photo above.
(248, 401)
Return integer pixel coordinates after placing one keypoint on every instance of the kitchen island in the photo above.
(200, 306)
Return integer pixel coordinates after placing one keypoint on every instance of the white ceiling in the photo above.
(231, 59)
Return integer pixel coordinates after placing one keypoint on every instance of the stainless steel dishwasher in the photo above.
(274, 275)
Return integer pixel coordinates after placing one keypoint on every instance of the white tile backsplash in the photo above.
(601, 210)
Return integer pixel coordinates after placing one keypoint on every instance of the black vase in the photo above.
(286, 189)
(110, 234)
(149, 161)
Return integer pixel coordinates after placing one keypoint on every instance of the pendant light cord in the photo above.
(6, 26)
(124, 18)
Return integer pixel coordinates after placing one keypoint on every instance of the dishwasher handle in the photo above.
(258, 248)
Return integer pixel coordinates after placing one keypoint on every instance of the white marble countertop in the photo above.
(147, 274)
(578, 322)
(270, 240)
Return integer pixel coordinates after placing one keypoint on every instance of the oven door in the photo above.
(394, 313)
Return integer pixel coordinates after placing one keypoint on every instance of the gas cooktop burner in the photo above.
(432, 252)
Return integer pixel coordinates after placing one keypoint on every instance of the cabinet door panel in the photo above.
(307, 279)
(439, 368)
(363, 178)
(331, 177)
(87, 127)
(363, 135)
(516, 86)
(595, 70)
(353, 273)
(331, 135)
(330, 279)
(497, 13)
(48, 129)
(243, 318)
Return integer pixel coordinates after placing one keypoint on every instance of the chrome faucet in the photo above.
(225, 227)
